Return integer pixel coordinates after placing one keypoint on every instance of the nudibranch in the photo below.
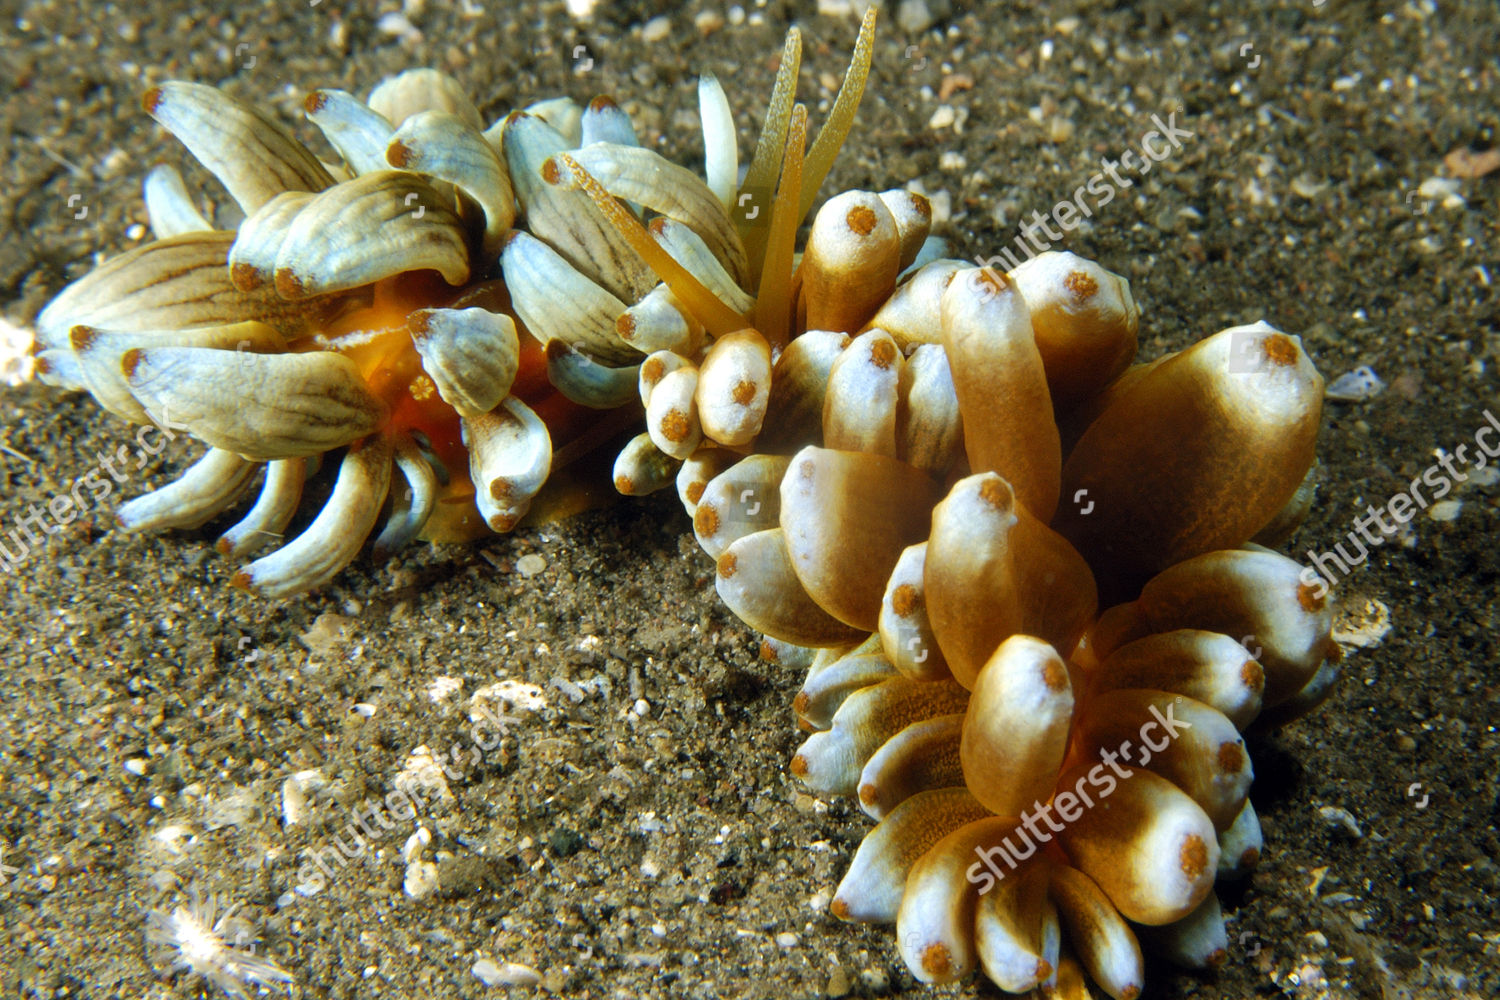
(456, 309)
(947, 468)
(1032, 582)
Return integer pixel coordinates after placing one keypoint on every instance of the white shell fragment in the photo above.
(1356, 386)
(508, 974)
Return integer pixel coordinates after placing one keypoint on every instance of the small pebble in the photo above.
(398, 25)
(1341, 818)
(416, 844)
(509, 974)
(786, 939)
(913, 16)
(1308, 187)
(442, 688)
(1438, 187)
(953, 83)
(1445, 510)
(530, 565)
(656, 30)
(942, 118)
(421, 879)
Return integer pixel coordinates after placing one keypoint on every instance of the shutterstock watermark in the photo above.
(1070, 805)
(64, 508)
(1102, 188)
(416, 790)
(1328, 567)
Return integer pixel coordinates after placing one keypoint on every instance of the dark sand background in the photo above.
(1313, 122)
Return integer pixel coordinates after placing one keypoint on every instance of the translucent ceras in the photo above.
(451, 302)
(950, 474)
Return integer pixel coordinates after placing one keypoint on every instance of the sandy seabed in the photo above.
(636, 833)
